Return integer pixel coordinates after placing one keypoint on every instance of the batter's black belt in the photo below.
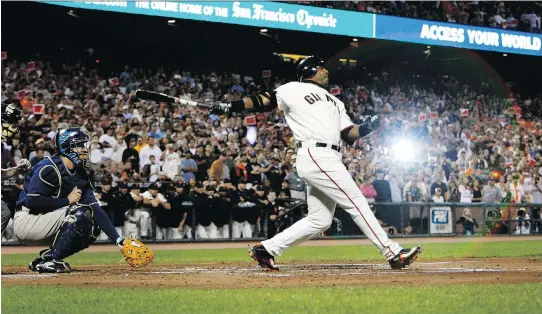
(318, 144)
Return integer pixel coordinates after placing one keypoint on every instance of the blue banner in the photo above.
(457, 35)
(260, 14)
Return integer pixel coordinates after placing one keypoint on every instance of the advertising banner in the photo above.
(457, 35)
(441, 220)
(261, 14)
(294, 17)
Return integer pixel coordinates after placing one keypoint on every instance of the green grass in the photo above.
(523, 298)
(307, 254)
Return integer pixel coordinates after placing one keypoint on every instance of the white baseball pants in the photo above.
(167, 234)
(328, 184)
(239, 229)
(209, 232)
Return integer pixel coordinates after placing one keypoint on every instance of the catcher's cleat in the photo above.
(44, 256)
(405, 258)
(53, 266)
(264, 259)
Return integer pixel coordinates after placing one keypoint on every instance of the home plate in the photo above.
(29, 276)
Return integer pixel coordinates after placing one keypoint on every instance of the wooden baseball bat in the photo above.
(160, 97)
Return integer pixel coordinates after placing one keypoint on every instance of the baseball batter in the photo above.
(319, 122)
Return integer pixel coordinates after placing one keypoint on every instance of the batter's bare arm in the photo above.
(355, 132)
(22, 167)
(261, 102)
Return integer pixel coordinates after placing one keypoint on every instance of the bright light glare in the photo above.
(403, 151)
(252, 135)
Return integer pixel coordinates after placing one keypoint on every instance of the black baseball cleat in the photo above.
(405, 257)
(46, 264)
(264, 259)
(44, 256)
(53, 266)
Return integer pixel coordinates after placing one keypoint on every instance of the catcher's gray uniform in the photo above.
(6, 215)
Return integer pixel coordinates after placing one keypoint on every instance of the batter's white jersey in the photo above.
(312, 113)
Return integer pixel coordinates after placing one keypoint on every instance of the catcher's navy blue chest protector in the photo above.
(50, 178)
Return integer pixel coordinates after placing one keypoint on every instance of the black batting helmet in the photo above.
(11, 114)
(307, 67)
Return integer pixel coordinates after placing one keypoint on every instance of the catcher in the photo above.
(57, 207)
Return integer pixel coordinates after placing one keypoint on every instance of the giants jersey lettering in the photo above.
(312, 113)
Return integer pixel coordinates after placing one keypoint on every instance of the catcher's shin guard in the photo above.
(76, 233)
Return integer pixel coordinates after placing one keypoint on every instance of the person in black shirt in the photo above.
(275, 174)
(441, 185)
(179, 210)
(131, 155)
(222, 211)
(272, 215)
(253, 170)
(257, 215)
(121, 202)
(284, 191)
(382, 188)
(241, 200)
(105, 197)
(203, 162)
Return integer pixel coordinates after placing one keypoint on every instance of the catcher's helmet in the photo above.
(307, 67)
(11, 114)
(72, 143)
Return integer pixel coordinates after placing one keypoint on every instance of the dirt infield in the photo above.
(248, 275)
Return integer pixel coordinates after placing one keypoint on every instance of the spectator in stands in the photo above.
(38, 156)
(441, 185)
(154, 169)
(382, 188)
(130, 157)
(491, 193)
(218, 170)
(150, 150)
(170, 163)
(468, 222)
(367, 188)
(119, 146)
(189, 167)
(396, 187)
(413, 192)
(465, 189)
(40, 145)
(476, 191)
(437, 197)
(295, 183)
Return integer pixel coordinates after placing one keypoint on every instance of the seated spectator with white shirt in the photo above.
(147, 151)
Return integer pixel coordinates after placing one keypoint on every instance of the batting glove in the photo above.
(372, 122)
(23, 165)
(220, 108)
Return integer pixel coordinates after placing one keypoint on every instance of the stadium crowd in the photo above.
(441, 141)
(521, 16)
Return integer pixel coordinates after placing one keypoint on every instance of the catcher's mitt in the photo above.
(136, 253)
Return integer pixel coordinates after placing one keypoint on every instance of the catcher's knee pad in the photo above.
(76, 233)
